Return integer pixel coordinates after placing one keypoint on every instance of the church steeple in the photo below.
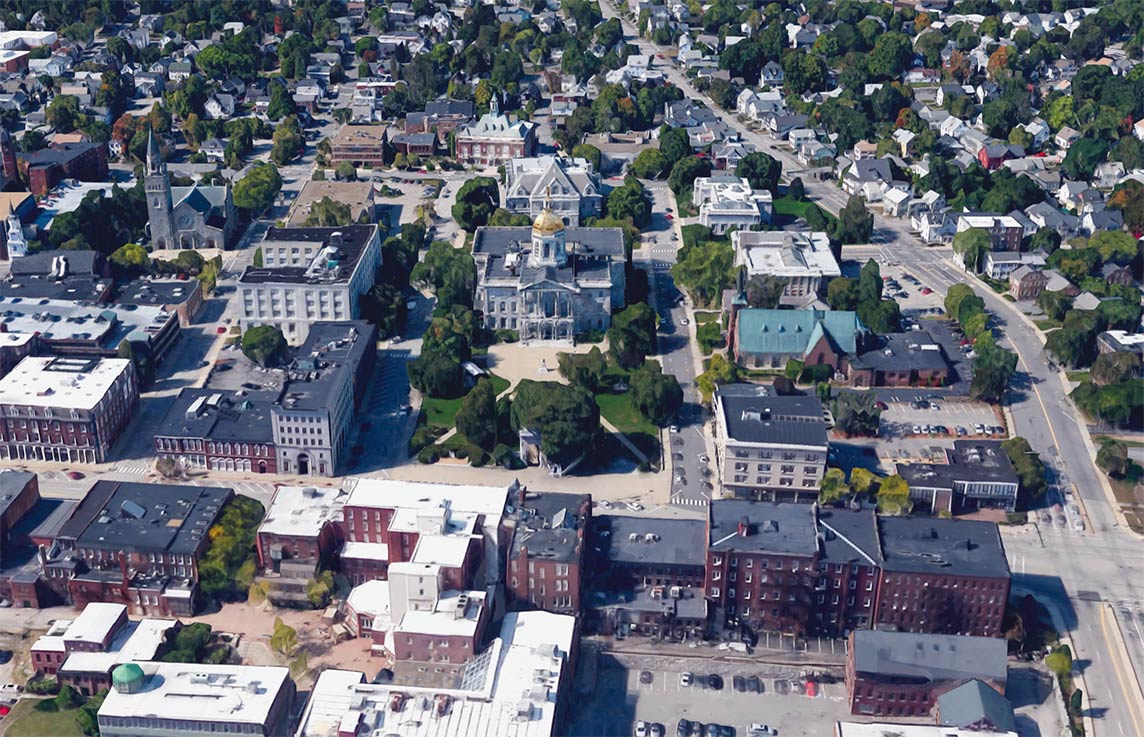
(155, 163)
(157, 185)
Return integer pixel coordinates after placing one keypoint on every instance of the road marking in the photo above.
(1132, 703)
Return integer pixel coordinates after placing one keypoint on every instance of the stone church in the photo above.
(199, 216)
(551, 282)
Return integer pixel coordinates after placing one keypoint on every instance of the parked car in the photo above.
(634, 506)
(755, 684)
(684, 679)
(715, 681)
(646, 677)
(641, 729)
(656, 730)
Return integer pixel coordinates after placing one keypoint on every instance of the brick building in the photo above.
(68, 410)
(299, 536)
(801, 569)
(46, 168)
(494, 139)
(902, 674)
(645, 551)
(136, 544)
(901, 359)
(360, 145)
(209, 429)
(546, 556)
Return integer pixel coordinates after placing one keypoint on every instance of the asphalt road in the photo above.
(1104, 565)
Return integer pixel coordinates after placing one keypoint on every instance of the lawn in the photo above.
(1047, 324)
(25, 721)
(1077, 376)
(1125, 488)
(618, 410)
(785, 206)
(443, 412)
(702, 318)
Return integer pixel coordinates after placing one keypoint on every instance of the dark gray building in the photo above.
(977, 475)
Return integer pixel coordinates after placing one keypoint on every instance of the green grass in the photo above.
(443, 412)
(1078, 376)
(1047, 324)
(618, 410)
(25, 721)
(1125, 489)
(702, 318)
(791, 208)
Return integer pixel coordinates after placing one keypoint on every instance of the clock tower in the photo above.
(157, 186)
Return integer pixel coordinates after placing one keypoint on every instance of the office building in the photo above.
(726, 201)
(360, 145)
(802, 261)
(977, 474)
(494, 139)
(569, 187)
(70, 410)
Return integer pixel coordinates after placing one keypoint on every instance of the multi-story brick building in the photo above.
(801, 569)
(495, 139)
(1005, 231)
(137, 544)
(546, 555)
(769, 446)
(902, 674)
(46, 168)
(360, 145)
(210, 429)
(647, 551)
(69, 410)
(302, 523)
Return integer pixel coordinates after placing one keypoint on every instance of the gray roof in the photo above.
(897, 351)
(922, 658)
(125, 515)
(58, 153)
(78, 262)
(680, 541)
(780, 529)
(156, 292)
(354, 239)
(870, 170)
(243, 419)
(11, 484)
(549, 525)
(331, 349)
(754, 417)
(70, 289)
(975, 703)
(949, 546)
(969, 461)
(849, 536)
(591, 251)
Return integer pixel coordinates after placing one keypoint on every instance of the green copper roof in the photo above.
(795, 332)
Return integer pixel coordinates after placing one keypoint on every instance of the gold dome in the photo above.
(547, 223)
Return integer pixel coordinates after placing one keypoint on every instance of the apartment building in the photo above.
(69, 410)
(309, 275)
(767, 446)
(546, 556)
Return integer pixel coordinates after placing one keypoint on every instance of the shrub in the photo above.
(793, 369)
(429, 454)
(42, 686)
(48, 705)
(816, 373)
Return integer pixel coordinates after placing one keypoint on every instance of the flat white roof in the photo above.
(853, 729)
(31, 39)
(238, 694)
(372, 598)
(442, 550)
(509, 689)
(443, 620)
(137, 641)
(785, 253)
(50, 643)
(365, 551)
(95, 622)
(32, 383)
(391, 494)
(1126, 338)
(302, 510)
(68, 196)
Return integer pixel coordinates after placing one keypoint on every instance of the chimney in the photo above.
(744, 526)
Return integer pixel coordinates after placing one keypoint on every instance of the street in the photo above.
(1105, 564)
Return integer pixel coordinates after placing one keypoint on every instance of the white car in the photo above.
(634, 506)
(641, 729)
(684, 679)
(685, 321)
(605, 504)
(916, 429)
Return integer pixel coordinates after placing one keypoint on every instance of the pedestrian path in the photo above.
(134, 468)
(688, 501)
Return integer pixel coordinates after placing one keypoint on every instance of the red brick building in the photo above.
(46, 168)
(211, 430)
(302, 523)
(800, 569)
(900, 674)
(546, 556)
(494, 139)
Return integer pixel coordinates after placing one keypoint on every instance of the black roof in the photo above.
(657, 541)
(78, 262)
(156, 292)
(780, 529)
(942, 546)
(849, 536)
(752, 415)
(70, 289)
(969, 461)
(549, 525)
(450, 107)
(226, 417)
(12, 482)
(916, 351)
(351, 243)
(58, 153)
(126, 515)
(331, 349)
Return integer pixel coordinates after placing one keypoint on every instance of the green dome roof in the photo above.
(126, 674)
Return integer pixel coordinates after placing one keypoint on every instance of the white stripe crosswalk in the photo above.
(687, 501)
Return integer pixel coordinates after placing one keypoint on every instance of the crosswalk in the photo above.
(688, 501)
(134, 468)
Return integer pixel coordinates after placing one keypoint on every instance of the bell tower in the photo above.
(157, 185)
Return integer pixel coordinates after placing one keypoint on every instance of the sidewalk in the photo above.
(786, 656)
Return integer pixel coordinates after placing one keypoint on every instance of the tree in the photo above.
(631, 337)
(842, 293)
(345, 171)
(1030, 470)
(1060, 661)
(856, 414)
(1115, 367)
(855, 222)
(833, 487)
(1113, 457)
(437, 375)
(630, 201)
(329, 213)
(764, 292)
(862, 480)
(972, 245)
(476, 201)
(63, 113)
(1083, 157)
(719, 372)
(566, 417)
(288, 141)
(705, 270)
(674, 144)
(761, 170)
(649, 164)
(1129, 199)
(894, 496)
(131, 258)
(655, 394)
(685, 171)
(450, 272)
(284, 639)
(476, 419)
(891, 54)
(265, 345)
(992, 369)
(589, 152)
(256, 191)
(585, 370)
(1115, 246)
(1054, 304)
(1067, 346)
(796, 190)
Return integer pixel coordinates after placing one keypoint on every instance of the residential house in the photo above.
(1066, 137)
(1026, 283)
(867, 176)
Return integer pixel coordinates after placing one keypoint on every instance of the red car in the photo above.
(927, 290)
(221, 330)
(669, 217)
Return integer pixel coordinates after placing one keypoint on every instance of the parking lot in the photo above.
(929, 415)
(621, 698)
